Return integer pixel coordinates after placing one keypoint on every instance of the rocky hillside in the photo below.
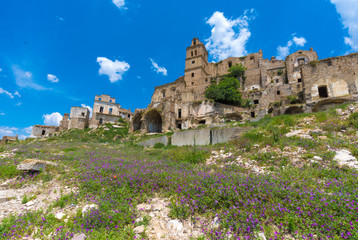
(290, 177)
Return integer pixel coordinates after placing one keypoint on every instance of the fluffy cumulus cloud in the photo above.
(157, 68)
(113, 69)
(119, 3)
(24, 79)
(9, 94)
(52, 119)
(348, 9)
(52, 78)
(283, 51)
(229, 36)
(88, 107)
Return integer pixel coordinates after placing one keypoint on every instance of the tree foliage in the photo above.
(227, 90)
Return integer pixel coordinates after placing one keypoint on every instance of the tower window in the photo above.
(323, 93)
(110, 110)
(192, 75)
(192, 53)
(101, 109)
(194, 42)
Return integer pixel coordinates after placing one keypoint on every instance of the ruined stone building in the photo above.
(105, 110)
(300, 83)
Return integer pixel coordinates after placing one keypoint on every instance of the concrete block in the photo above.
(191, 137)
(151, 142)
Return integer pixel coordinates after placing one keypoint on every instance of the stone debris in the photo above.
(34, 165)
(138, 230)
(44, 195)
(301, 133)
(59, 215)
(161, 226)
(88, 208)
(345, 157)
(81, 236)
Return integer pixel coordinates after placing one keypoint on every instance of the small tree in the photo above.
(227, 90)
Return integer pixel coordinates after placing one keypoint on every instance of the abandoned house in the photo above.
(6, 139)
(300, 83)
(44, 131)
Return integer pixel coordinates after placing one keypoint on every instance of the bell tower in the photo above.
(196, 63)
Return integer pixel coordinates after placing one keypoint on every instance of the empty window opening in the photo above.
(194, 42)
(278, 92)
(323, 93)
(256, 101)
(329, 63)
(101, 109)
(129, 115)
(252, 58)
(299, 80)
(101, 121)
(230, 64)
(110, 100)
(163, 93)
(192, 53)
(301, 61)
(192, 62)
(196, 52)
(277, 80)
(253, 114)
(99, 99)
(202, 122)
(82, 114)
(270, 110)
(192, 75)
(179, 125)
(192, 83)
(43, 132)
(179, 113)
(110, 110)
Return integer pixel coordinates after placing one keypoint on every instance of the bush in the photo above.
(353, 120)
(159, 145)
(7, 171)
(225, 92)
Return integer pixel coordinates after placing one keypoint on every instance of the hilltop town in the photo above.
(300, 83)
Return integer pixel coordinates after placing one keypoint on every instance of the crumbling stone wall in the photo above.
(44, 131)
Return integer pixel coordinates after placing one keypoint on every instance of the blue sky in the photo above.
(61, 53)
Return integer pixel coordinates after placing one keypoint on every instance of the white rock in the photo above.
(138, 229)
(316, 158)
(216, 222)
(60, 215)
(88, 208)
(175, 225)
(261, 236)
(345, 157)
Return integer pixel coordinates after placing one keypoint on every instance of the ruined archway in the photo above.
(328, 103)
(137, 121)
(293, 110)
(153, 121)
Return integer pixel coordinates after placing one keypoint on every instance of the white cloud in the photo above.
(158, 69)
(114, 70)
(16, 93)
(119, 3)
(52, 119)
(0, 69)
(229, 36)
(2, 114)
(283, 51)
(52, 78)
(348, 9)
(60, 18)
(88, 107)
(22, 133)
(301, 41)
(24, 79)
(3, 91)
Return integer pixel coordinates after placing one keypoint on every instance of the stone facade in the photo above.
(44, 131)
(106, 110)
(6, 139)
(300, 83)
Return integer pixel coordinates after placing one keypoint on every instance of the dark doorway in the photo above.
(253, 114)
(154, 121)
(202, 122)
(101, 121)
(293, 110)
(43, 132)
(323, 92)
(179, 113)
(137, 122)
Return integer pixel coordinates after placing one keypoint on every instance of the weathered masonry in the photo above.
(300, 83)
(44, 131)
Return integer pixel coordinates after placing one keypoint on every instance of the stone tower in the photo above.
(196, 63)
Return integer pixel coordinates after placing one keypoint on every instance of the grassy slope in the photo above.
(311, 201)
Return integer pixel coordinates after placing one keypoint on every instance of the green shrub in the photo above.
(8, 171)
(226, 91)
(353, 120)
(159, 145)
